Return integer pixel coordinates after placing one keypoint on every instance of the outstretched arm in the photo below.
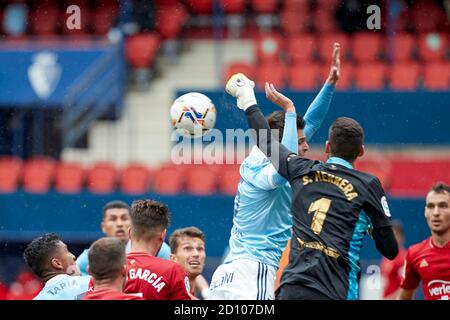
(276, 152)
(290, 135)
(318, 109)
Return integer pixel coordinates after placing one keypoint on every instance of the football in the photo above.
(193, 114)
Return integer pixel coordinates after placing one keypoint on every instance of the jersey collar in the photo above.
(340, 161)
(55, 279)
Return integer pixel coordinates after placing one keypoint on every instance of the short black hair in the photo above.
(106, 258)
(148, 218)
(37, 252)
(116, 204)
(346, 137)
(276, 122)
(440, 187)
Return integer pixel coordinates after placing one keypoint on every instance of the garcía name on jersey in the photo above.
(148, 276)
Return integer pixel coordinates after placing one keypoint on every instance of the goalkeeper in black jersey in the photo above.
(333, 207)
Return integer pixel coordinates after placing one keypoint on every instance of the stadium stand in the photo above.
(94, 150)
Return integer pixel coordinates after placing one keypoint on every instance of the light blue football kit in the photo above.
(64, 287)
(262, 220)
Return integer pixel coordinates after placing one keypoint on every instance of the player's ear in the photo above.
(163, 235)
(327, 147)
(361, 151)
(56, 264)
(102, 225)
(173, 257)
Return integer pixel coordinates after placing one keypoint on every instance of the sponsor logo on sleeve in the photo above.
(187, 284)
(385, 206)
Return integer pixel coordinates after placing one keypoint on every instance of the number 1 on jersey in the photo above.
(320, 208)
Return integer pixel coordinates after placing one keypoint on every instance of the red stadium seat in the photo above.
(103, 20)
(432, 47)
(345, 78)
(403, 47)
(326, 42)
(366, 47)
(305, 77)
(294, 22)
(200, 6)
(296, 5)
(301, 48)
(69, 177)
(269, 48)
(10, 169)
(170, 20)
(264, 6)
(135, 179)
(240, 67)
(414, 178)
(229, 179)
(44, 20)
(370, 76)
(427, 16)
(141, 49)
(233, 6)
(324, 21)
(168, 181)
(102, 178)
(201, 181)
(275, 74)
(38, 174)
(437, 76)
(404, 76)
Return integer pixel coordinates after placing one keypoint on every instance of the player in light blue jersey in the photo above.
(115, 223)
(49, 258)
(262, 220)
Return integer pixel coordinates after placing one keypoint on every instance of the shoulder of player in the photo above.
(418, 248)
(163, 265)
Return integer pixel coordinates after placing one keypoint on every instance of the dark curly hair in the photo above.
(38, 251)
(276, 122)
(148, 218)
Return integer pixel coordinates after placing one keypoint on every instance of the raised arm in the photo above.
(290, 135)
(318, 109)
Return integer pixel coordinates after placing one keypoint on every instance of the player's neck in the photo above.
(115, 285)
(150, 248)
(441, 240)
(51, 275)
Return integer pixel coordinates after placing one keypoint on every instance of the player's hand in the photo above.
(278, 98)
(335, 70)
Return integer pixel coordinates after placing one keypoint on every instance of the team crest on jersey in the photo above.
(423, 263)
(385, 206)
(187, 284)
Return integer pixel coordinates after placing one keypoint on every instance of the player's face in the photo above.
(116, 223)
(437, 212)
(303, 146)
(67, 260)
(191, 255)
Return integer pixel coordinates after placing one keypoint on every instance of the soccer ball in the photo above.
(193, 114)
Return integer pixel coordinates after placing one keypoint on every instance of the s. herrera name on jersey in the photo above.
(146, 275)
(343, 184)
